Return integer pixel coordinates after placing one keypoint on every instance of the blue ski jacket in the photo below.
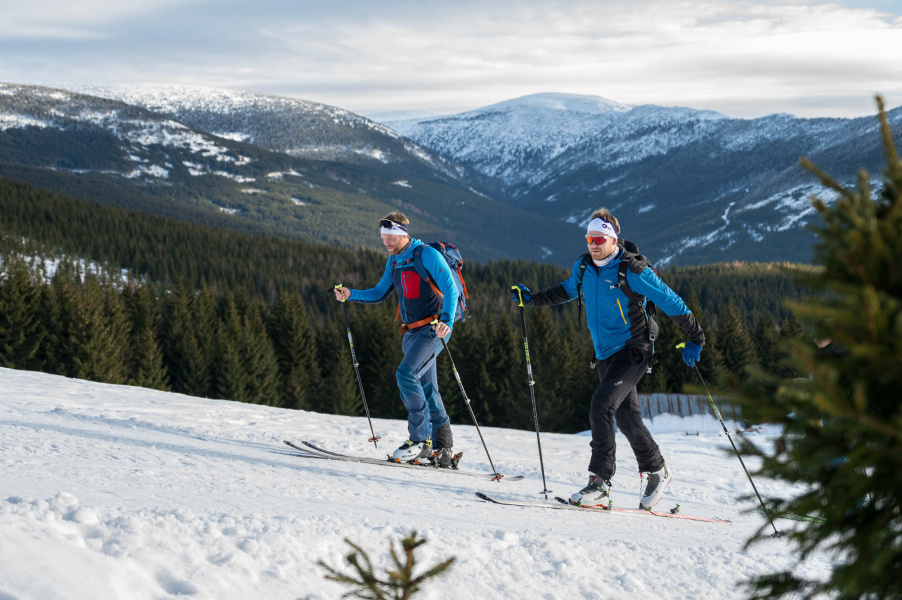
(416, 299)
(613, 320)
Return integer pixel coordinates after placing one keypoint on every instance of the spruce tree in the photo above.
(841, 444)
(378, 349)
(21, 327)
(736, 344)
(146, 367)
(766, 338)
(63, 299)
(712, 357)
(247, 368)
(232, 381)
(790, 331)
(471, 352)
(292, 336)
(187, 360)
(339, 393)
(260, 357)
(97, 332)
(568, 412)
(495, 374)
(205, 323)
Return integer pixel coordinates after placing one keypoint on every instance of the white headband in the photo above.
(606, 228)
(395, 229)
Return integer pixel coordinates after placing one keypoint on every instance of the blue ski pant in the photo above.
(418, 383)
(616, 399)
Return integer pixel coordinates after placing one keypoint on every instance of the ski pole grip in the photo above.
(519, 293)
(681, 345)
(336, 287)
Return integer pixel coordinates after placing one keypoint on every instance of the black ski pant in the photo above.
(616, 399)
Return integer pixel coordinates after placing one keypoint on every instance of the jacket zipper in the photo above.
(621, 311)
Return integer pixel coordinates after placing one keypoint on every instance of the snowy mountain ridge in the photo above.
(517, 140)
(670, 174)
(139, 129)
(290, 125)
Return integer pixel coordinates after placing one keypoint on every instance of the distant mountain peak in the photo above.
(593, 105)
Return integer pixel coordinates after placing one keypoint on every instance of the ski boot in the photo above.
(412, 451)
(654, 489)
(596, 494)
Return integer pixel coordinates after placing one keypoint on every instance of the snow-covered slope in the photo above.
(121, 492)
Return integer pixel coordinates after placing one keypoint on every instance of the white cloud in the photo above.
(67, 20)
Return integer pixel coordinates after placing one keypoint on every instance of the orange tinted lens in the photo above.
(598, 239)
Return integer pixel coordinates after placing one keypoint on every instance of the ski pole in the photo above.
(498, 475)
(729, 437)
(532, 391)
(344, 310)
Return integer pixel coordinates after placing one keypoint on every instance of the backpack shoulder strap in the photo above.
(418, 261)
(635, 263)
(583, 264)
(421, 270)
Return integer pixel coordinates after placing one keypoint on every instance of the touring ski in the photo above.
(311, 449)
(563, 504)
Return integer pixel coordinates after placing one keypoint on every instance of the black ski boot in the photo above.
(443, 441)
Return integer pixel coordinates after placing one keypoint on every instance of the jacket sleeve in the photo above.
(563, 292)
(648, 284)
(441, 274)
(377, 294)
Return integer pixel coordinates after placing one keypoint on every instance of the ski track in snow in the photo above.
(122, 492)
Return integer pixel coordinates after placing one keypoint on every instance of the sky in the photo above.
(741, 58)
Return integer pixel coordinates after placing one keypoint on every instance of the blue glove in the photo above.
(515, 295)
(691, 353)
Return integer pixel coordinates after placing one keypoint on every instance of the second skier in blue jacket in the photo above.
(623, 337)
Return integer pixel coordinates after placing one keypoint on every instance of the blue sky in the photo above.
(742, 58)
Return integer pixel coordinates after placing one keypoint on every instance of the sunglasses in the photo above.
(388, 224)
(598, 239)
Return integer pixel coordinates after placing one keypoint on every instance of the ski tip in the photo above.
(482, 496)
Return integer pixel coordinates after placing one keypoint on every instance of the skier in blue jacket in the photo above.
(421, 302)
(623, 336)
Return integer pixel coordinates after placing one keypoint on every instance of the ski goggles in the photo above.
(390, 227)
(598, 239)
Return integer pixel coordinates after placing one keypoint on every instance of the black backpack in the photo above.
(636, 263)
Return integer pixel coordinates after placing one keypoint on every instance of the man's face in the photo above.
(394, 243)
(601, 251)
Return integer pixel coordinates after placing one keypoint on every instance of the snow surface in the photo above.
(121, 492)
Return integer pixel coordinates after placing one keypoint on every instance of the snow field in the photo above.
(121, 492)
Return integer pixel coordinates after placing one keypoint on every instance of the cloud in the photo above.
(406, 55)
